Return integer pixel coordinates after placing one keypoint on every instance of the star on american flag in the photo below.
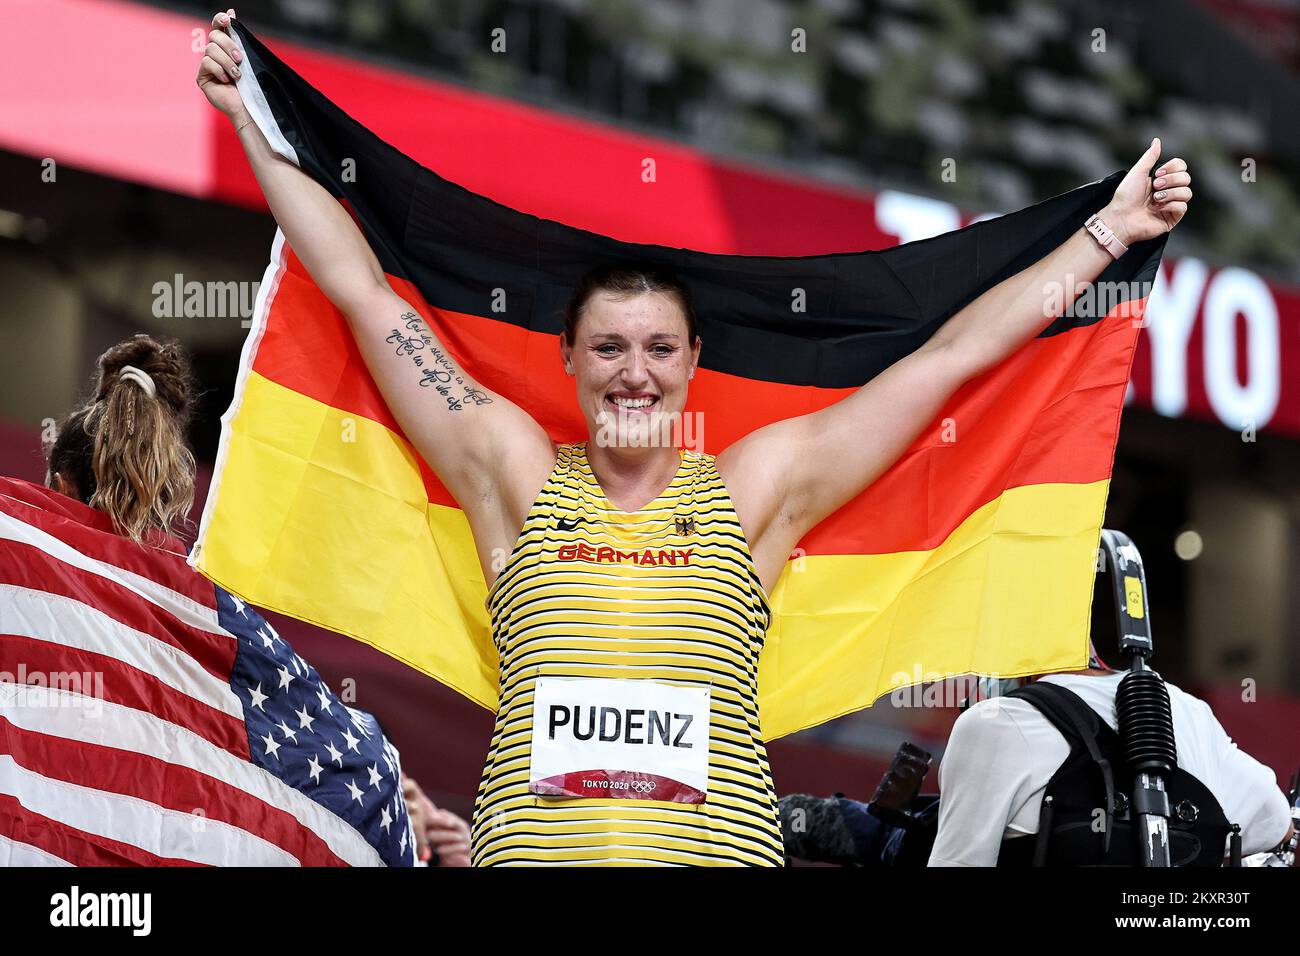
(293, 717)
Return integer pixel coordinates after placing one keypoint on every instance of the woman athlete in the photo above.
(632, 606)
(124, 452)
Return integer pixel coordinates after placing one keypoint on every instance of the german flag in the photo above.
(974, 553)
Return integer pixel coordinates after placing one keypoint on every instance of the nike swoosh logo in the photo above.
(565, 524)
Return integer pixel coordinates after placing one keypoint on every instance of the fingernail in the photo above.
(235, 70)
(238, 56)
(1158, 183)
(1160, 195)
(1160, 171)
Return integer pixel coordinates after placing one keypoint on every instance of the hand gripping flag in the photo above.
(975, 552)
(150, 718)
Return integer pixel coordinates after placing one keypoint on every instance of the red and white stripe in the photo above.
(156, 770)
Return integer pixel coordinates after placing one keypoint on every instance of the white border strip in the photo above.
(250, 91)
(261, 311)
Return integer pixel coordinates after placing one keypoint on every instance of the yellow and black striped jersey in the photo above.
(668, 593)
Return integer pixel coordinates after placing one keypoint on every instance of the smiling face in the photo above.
(632, 360)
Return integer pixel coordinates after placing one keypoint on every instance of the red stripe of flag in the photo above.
(68, 843)
(27, 566)
(129, 687)
(1022, 406)
(165, 568)
(164, 784)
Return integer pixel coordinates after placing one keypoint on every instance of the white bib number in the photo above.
(621, 739)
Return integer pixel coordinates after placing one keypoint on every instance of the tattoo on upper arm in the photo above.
(436, 369)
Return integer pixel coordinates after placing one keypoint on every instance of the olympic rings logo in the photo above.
(642, 786)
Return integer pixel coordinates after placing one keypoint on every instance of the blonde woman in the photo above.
(124, 452)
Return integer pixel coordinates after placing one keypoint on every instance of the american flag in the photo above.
(147, 717)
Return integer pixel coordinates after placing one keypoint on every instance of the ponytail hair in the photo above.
(126, 449)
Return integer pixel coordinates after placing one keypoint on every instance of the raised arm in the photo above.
(781, 469)
(484, 448)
